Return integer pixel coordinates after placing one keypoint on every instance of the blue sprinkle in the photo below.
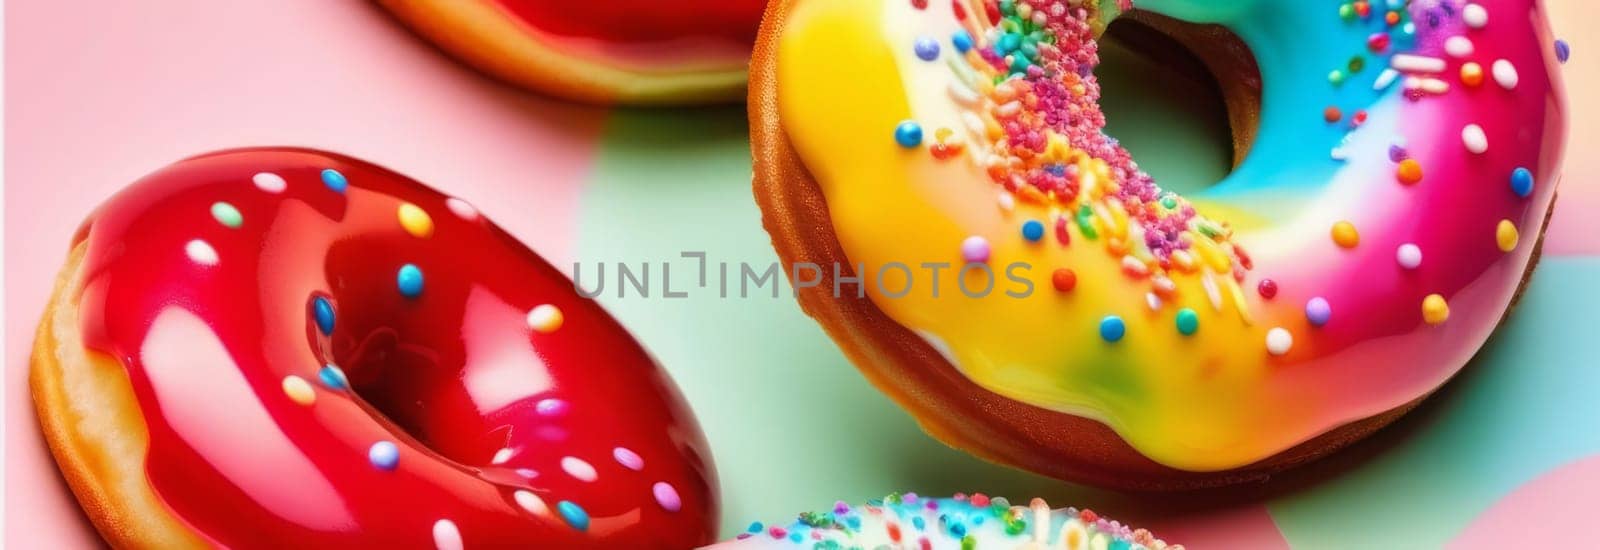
(384, 455)
(853, 521)
(574, 515)
(1033, 230)
(1188, 321)
(1522, 182)
(958, 529)
(410, 281)
(962, 41)
(1318, 311)
(333, 377)
(919, 523)
(1563, 51)
(334, 180)
(1009, 42)
(794, 536)
(755, 527)
(908, 134)
(1119, 544)
(1112, 329)
(927, 49)
(323, 311)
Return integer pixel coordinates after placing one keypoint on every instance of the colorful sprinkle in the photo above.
(334, 180)
(1063, 280)
(1475, 16)
(501, 456)
(1475, 139)
(415, 220)
(578, 469)
(531, 503)
(627, 458)
(551, 407)
(269, 182)
(975, 249)
(1471, 74)
(1522, 182)
(1409, 172)
(322, 312)
(545, 318)
(1563, 51)
(1345, 235)
(1318, 311)
(201, 252)
(927, 49)
(299, 390)
(1505, 235)
(384, 455)
(333, 377)
(1279, 340)
(1408, 255)
(446, 536)
(1033, 230)
(462, 209)
(226, 214)
(1112, 328)
(962, 40)
(409, 280)
(908, 134)
(1505, 74)
(666, 496)
(1458, 46)
(1188, 321)
(573, 514)
(1435, 310)
(1268, 288)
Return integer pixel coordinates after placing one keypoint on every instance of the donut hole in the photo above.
(1183, 98)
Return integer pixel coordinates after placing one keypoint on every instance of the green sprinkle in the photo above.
(1084, 215)
(226, 214)
(1357, 63)
(1336, 77)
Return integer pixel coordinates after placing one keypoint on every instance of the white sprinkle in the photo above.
(1385, 79)
(1505, 74)
(500, 457)
(1458, 46)
(974, 123)
(963, 94)
(545, 318)
(1279, 341)
(578, 469)
(1430, 85)
(446, 536)
(1475, 16)
(269, 182)
(461, 208)
(531, 502)
(1150, 299)
(1417, 63)
(1008, 202)
(1339, 153)
(1474, 138)
(201, 252)
(1409, 256)
(1213, 294)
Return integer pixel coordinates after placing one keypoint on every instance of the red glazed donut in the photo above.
(287, 347)
(613, 51)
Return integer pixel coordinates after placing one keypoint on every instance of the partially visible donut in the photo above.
(271, 348)
(644, 52)
(1379, 228)
(962, 522)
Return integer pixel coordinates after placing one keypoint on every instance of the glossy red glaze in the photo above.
(451, 376)
(646, 27)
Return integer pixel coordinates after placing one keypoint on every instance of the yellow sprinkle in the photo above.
(1506, 235)
(416, 221)
(1345, 235)
(545, 318)
(1434, 309)
(299, 390)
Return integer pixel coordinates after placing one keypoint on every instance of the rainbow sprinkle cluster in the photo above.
(1028, 86)
(962, 521)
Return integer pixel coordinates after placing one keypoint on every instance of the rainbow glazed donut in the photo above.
(644, 52)
(960, 522)
(1387, 212)
(269, 348)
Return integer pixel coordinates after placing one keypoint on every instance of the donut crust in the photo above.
(947, 405)
(473, 31)
(94, 428)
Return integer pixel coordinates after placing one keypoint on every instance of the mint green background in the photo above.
(794, 426)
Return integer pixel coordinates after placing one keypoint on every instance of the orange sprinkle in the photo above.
(1332, 114)
(1410, 172)
(1345, 235)
(1471, 74)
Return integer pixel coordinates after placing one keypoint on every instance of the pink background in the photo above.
(97, 99)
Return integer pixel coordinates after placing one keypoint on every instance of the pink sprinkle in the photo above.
(551, 407)
(667, 496)
(628, 458)
(975, 249)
